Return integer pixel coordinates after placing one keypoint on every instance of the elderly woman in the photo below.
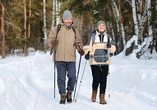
(97, 51)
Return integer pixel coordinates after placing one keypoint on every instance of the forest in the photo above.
(27, 23)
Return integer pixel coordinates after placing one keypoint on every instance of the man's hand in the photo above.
(81, 52)
(54, 43)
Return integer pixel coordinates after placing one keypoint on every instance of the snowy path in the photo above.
(27, 84)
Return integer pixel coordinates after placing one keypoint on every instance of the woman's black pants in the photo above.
(99, 74)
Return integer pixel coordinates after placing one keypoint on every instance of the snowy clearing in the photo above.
(27, 83)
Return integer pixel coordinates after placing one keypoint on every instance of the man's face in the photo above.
(101, 27)
(68, 21)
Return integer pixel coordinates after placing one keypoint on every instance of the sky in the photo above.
(27, 83)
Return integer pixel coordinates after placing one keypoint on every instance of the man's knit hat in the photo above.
(67, 14)
(101, 22)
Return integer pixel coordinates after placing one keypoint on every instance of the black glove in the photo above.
(87, 56)
(108, 45)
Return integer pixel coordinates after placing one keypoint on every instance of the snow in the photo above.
(27, 83)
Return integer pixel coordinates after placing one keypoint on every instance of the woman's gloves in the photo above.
(87, 56)
(108, 45)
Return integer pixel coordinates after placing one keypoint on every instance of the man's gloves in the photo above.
(81, 52)
(108, 45)
(54, 43)
(87, 56)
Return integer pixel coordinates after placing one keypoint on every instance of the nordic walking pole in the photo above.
(109, 85)
(77, 76)
(55, 48)
(108, 73)
(81, 81)
(54, 71)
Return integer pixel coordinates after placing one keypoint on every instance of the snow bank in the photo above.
(135, 78)
(19, 81)
(27, 84)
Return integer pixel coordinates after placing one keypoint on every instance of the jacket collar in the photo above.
(97, 33)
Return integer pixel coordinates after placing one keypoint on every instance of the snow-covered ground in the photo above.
(27, 83)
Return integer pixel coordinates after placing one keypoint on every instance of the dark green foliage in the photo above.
(14, 25)
(92, 12)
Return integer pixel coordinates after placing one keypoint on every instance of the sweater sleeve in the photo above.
(51, 36)
(113, 47)
(88, 46)
(78, 40)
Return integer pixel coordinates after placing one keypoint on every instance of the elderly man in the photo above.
(66, 43)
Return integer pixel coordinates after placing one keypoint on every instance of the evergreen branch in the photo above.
(8, 22)
(87, 2)
(129, 2)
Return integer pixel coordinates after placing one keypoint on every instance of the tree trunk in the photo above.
(57, 14)
(149, 38)
(150, 31)
(135, 20)
(115, 23)
(29, 24)
(45, 33)
(156, 38)
(25, 45)
(120, 31)
(156, 29)
(2, 33)
(142, 22)
(143, 2)
(59, 7)
(130, 46)
(117, 14)
(53, 14)
(138, 31)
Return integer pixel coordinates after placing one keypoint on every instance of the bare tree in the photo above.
(120, 28)
(53, 14)
(2, 33)
(25, 45)
(29, 24)
(45, 33)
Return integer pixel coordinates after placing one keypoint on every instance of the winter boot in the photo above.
(102, 99)
(63, 97)
(69, 99)
(94, 93)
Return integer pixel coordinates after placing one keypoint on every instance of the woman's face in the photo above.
(101, 27)
(68, 21)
